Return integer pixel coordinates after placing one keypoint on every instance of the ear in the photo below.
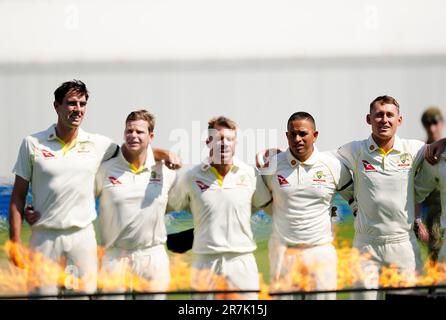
(55, 104)
(400, 120)
(368, 119)
(208, 141)
(315, 135)
(151, 135)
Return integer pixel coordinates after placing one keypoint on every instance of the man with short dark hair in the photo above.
(60, 164)
(303, 183)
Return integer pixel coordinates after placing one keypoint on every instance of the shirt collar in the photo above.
(150, 160)
(309, 162)
(372, 146)
(206, 164)
(82, 136)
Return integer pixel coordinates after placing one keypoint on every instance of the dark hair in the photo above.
(301, 115)
(384, 100)
(142, 115)
(70, 86)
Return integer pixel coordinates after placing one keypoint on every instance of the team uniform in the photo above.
(428, 179)
(303, 195)
(62, 182)
(131, 221)
(385, 197)
(223, 239)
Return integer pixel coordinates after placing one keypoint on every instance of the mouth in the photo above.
(75, 117)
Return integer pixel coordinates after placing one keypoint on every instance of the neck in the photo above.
(432, 139)
(136, 158)
(303, 158)
(66, 134)
(222, 168)
(385, 144)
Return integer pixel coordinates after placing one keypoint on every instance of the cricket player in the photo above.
(433, 123)
(383, 169)
(303, 183)
(133, 190)
(220, 194)
(60, 163)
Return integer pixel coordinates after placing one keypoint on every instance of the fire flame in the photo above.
(24, 279)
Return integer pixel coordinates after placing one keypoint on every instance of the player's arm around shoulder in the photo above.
(179, 193)
(349, 152)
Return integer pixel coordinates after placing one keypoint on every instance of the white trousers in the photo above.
(145, 269)
(73, 249)
(316, 264)
(225, 271)
(402, 252)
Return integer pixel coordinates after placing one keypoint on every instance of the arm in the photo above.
(262, 196)
(16, 208)
(171, 160)
(434, 150)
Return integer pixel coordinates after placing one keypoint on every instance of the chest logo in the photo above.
(203, 186)
(319, 176)
(154, 177)
(368, 167)
(83, 147)
(282, 180)
(242, 181)
(404, 160)
(113, 180)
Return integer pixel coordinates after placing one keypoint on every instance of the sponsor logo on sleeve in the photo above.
(282, 181)
(47, 154)
(114, 181)
(203, 186)
(368, 167)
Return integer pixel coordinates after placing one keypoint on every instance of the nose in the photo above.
(77, 106)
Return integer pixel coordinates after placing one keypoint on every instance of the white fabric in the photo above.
(151, 264)
(221, 213)
(225, 271)
(77, 247)
(303, 195)
(383, 185)
(62, 180)
(402, 253)
(319, 260)
(133, 204)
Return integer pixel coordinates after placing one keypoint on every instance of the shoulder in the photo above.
(108, 165)
(330, 159)
(353, 147)
(413, 145)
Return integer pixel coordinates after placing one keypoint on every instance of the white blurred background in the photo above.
(255, 61)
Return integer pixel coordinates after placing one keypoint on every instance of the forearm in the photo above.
(160, 154)
(15, 219)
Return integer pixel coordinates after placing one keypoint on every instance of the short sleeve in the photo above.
(347, 155)
(262, 195)
(108, 148)
(99, 181)
(24, 164)
(179, 198)
(418, 149)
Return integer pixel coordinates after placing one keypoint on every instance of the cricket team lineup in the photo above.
(383, 177)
